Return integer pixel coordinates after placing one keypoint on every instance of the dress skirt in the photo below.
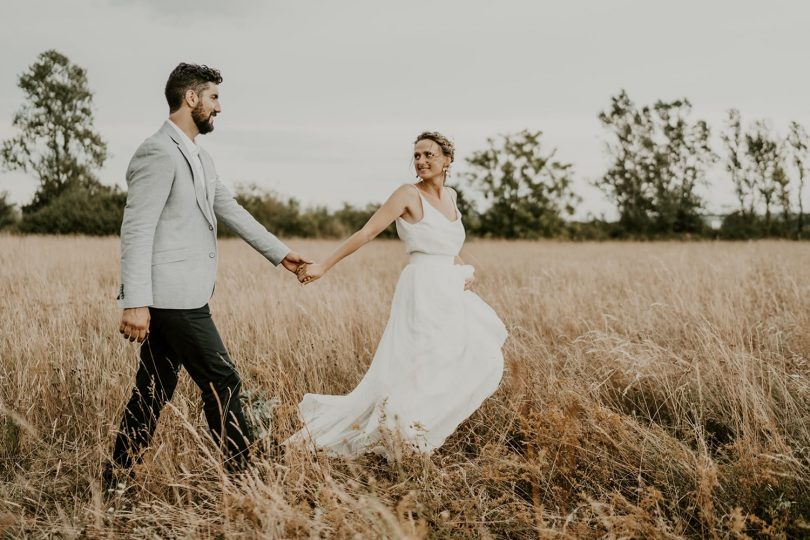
(438, 359)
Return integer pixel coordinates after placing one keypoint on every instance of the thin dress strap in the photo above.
(455, 201)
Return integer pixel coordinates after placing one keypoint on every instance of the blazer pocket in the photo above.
(169, 255)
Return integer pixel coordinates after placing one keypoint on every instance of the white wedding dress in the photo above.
(438, 359)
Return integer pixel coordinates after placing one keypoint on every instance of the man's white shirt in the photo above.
(194, 152)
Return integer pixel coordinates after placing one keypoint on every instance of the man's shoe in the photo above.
(114, 480)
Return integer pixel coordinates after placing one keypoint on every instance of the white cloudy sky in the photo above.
(322, 99)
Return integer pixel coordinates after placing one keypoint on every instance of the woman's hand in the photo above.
(308, 273)
(469, 274)
(468, 283)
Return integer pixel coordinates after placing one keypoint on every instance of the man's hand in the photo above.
(293, 262)
(135, 323)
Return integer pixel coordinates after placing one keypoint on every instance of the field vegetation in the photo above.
(652, 390)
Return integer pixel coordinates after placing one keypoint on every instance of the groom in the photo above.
(168, 266)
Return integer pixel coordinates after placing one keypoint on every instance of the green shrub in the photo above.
(95, 211)
(741, 226)
(8, 212)
(288, 219)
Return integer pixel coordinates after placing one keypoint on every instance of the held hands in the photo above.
(304, 268)
(310, 272)
(135, 324)
(468, 283)
(295, 262)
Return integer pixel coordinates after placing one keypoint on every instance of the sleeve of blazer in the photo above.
(149, 182)
(242, 223)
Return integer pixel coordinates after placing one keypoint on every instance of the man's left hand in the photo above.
(293, 261)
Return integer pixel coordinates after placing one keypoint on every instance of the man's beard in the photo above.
(204, 123)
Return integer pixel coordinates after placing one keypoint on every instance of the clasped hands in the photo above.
(305, 269)
(307, 273)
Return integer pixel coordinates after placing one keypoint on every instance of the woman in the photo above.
(440, 355)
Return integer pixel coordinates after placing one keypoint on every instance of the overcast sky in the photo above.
(322, 100)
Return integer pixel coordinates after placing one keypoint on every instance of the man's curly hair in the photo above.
(188, 77)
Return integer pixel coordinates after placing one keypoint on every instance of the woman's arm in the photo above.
(394, 207)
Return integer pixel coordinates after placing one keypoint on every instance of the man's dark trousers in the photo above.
(187, 338)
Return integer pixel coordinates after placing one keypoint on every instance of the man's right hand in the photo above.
(293, 262)
(135, 323)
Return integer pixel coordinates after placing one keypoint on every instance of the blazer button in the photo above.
(210, 227)
(211, 254)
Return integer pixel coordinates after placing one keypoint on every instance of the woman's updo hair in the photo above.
(448, 148)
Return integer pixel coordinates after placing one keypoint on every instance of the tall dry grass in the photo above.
(655, 390)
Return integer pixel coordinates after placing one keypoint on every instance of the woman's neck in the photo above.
(433, 186)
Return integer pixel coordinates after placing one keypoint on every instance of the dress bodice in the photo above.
(434, 234)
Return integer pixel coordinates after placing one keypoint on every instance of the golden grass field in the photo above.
(653, 390)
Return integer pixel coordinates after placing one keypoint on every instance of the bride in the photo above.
(440, 355)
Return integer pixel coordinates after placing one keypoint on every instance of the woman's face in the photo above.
(429, 160)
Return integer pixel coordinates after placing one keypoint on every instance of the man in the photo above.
(168, 267)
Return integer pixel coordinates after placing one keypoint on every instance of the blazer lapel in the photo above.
(210, 176)
(199, 189)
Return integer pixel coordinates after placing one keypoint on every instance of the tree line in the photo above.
(659, 159)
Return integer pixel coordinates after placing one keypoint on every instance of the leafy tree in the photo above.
(658, 158)
(686, 158)
(767, 167)
(798, 142)
(627, 181)
(8, 212)
(57, 142)
(781, 182)
(530, 191)
(735, 155)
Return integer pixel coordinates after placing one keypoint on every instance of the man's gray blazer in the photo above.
(169, 233)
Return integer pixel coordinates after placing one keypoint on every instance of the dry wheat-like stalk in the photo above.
(652, 390)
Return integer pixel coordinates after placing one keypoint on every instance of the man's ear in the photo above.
(191, 98)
